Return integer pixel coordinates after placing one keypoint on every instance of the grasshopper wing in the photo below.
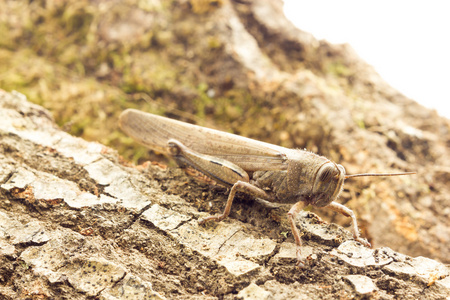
(155, 131)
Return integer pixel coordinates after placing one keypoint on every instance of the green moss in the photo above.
(203, 101)
(147, 73)
(214, 42)
(361, 124)
(338, 69)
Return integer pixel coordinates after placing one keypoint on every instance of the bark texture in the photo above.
(78, 222)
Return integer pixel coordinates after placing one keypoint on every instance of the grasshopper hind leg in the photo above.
(223, 171)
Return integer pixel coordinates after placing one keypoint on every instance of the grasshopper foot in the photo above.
(363, 241)
(300, 261)
(300, 264)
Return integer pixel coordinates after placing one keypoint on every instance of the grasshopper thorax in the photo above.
(328, 184)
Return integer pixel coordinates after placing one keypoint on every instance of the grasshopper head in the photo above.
(329, 181)
(328, 184)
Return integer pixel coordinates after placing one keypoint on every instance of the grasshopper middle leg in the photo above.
(240, 186)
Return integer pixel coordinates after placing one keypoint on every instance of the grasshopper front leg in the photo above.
(293, 212)
(349, 213)
(218, 169)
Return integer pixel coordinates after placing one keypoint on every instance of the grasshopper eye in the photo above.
(328, 172)
(327, 184)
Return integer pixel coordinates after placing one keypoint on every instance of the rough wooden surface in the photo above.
(78, 223)
(238, 66)
(72, 211)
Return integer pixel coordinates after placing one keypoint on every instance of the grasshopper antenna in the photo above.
(379, 174)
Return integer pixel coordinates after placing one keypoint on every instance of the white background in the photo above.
(408, 42)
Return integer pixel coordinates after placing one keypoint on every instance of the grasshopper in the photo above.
(272, 173)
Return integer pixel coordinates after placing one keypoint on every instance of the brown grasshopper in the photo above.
(266, 171)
